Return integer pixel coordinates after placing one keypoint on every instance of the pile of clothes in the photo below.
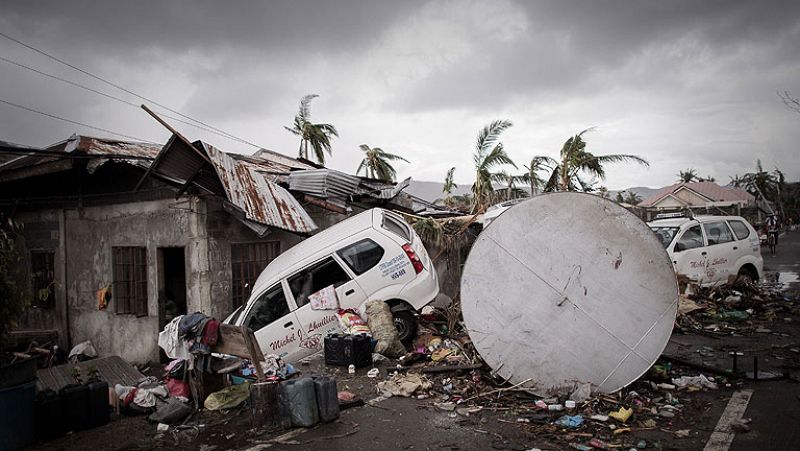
(190, 337)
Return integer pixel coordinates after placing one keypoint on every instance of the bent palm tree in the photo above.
(489, 155)
(317, 135)
(510, 189)
(531, 175)
(376, 163)
(574, 159)
(449, 186)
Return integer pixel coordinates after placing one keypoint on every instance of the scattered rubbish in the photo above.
(696, 382)
(569, 404)
(82, 351)
(404, 385)
(373, 373)
(622, 414)
(570, 421)
(351, 369)
(162, 427)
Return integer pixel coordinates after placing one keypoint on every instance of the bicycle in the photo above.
(772, 241)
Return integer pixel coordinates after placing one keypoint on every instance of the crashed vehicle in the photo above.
(373, 255)
(711, 250)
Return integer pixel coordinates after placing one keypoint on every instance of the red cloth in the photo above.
(177, 387)
(211, 333)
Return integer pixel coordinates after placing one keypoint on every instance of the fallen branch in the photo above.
(499, 390)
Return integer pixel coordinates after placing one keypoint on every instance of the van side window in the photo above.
(739, 229)
(362, 255)
(691, 238)
(316, 277)
(269, 307)
(396, 226)
(717, 233)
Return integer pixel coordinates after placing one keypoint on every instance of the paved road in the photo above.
(775, 406)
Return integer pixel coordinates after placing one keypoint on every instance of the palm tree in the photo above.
(736, 181)
(761, 182)
(574, 159)
(449, 186)
(376, 163)
(489, 155)
(688, 176)
(531, 175)
(317, 135)
(510, 189)
(633, 198)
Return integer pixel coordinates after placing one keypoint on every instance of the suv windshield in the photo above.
(665, 234)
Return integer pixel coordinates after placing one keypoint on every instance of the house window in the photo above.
(43, 279)
(129, 294)
(247, 262)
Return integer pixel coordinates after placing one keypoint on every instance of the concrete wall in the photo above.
(90, 234)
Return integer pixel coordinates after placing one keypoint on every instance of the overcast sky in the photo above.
(684, 84)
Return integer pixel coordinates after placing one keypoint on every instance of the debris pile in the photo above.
(734, 309)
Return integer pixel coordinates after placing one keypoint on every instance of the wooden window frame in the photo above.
(248, 260)
(129, 294)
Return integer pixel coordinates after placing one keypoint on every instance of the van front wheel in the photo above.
(406, 325)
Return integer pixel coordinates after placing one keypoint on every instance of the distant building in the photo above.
(700, 197)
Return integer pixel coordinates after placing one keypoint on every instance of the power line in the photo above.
(41, 52)
(74, 122)
(118, 99)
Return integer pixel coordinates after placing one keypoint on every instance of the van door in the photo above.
(689, 255)
(316, 324)
(721, 255)
(276, 328)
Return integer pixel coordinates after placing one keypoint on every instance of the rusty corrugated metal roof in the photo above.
(259, 198)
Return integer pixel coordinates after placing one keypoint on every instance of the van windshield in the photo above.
(665, 234)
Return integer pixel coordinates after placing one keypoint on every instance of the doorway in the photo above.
(171, 284)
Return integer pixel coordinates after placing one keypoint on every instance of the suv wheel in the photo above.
(406, 325)
(745, 277)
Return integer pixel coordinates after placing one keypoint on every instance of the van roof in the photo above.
(677, 222)
(322, 240)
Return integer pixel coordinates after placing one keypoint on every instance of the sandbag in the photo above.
(381, 323)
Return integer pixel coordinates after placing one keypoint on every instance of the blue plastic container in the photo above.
(17, 415)
(327, 398)
(301, 397)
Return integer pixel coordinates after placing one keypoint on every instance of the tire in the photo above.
(745, 277)
(406, 325)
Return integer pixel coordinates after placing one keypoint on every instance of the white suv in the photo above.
(373, 255)
(712, 250)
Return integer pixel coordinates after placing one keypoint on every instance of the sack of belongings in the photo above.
(381, 323)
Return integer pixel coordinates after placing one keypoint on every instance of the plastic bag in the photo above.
(352, 323)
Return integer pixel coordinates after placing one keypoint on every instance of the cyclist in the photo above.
(772, 225)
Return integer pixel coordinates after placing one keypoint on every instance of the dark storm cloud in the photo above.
(576, 48)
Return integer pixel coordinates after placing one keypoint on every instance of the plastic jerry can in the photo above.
(49, 424)
(75, 407)
(327, 398)
(98, 403)
(301, 399)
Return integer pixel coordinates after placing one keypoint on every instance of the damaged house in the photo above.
(119, 237)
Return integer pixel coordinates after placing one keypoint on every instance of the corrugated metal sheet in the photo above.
(382, 190)
(260, 199)
(324, 183)
(143, 153)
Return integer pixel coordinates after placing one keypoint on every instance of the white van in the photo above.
(373, 255)
(712, 250)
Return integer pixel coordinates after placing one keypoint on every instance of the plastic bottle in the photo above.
(301, 398)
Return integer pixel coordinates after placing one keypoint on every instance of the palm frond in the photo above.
(490, 134)
(305, 106)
